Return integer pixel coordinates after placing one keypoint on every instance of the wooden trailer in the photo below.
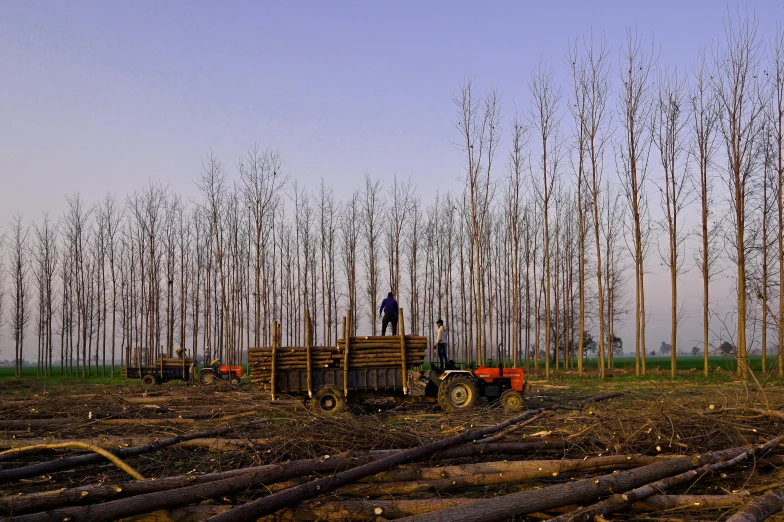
(330, 376)
(165, 369)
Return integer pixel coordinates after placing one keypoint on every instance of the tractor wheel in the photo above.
(207, 377)
(329, 400)
(512, 400)
(149, 380)
(234, 381)
(457, 393)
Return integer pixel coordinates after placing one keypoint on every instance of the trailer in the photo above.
(358, 368)
(163, 370)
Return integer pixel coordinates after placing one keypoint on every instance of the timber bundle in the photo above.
(363, 352)
(260, 360)
(381, 351)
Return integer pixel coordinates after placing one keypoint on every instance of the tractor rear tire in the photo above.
(512, 400)
(457, 393)
(329, 400)
(149, 380)
(207, 377)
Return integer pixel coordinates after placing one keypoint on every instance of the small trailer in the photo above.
(165, 369)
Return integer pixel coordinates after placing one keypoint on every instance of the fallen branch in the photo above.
(83, 460)
(603, 397)
(81, 445)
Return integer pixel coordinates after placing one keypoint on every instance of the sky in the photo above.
(108, 96)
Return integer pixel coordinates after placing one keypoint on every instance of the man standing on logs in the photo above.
(442, 337)
(388, 313)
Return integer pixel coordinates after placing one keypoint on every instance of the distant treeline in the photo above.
(542, 249)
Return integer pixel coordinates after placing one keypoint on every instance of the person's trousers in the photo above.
(386, 320)
(442, 354)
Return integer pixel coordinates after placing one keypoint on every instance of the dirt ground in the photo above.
(244, 429)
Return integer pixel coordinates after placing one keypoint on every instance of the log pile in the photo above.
(173, 362)
(287, 358)
(381, 351)
(364, 352)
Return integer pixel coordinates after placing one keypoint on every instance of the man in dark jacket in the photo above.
(388, 313)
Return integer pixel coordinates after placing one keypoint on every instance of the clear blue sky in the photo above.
(106, 96)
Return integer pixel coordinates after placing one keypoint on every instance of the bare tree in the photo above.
(263, 181)
(676, 188)
(777, 124)
(595, 86)
(703, 130)
(741, 109)
(46, 258)
(579, 109)
(213, 184)
(546, 98)
(372, 209)
(514, 204)
(635, 67)
(20, 314)
(350, 230)
(478, 125)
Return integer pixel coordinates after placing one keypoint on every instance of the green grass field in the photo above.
(654, 365)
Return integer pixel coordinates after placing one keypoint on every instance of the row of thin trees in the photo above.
(532, 260)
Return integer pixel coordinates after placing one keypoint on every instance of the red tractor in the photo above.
(457, 389)
(212, 373)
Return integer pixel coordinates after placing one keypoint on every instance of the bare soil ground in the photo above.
(240, 428)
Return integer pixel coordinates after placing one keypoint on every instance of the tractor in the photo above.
(457, 389)
(214, 371)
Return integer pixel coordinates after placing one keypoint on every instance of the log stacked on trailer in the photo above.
(382, 351)
(173, 362)
(287, 358)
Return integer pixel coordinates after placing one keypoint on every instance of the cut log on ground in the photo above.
(623, 500)
(578, 492)
(363, 510)
(760, 508)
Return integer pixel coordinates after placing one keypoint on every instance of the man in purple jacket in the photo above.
(388, 313)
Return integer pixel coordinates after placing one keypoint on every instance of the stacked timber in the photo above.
(173, 362)
(381, 351)
(287, 358)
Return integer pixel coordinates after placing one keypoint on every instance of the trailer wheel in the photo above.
(329, 400)
(149, 380)
(207, 377)
(512, 400)
(457, 393)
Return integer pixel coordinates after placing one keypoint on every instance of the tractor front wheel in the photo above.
(329, 400)
(457, 393)
(512, 400)
(207, 377)
(234, 381)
